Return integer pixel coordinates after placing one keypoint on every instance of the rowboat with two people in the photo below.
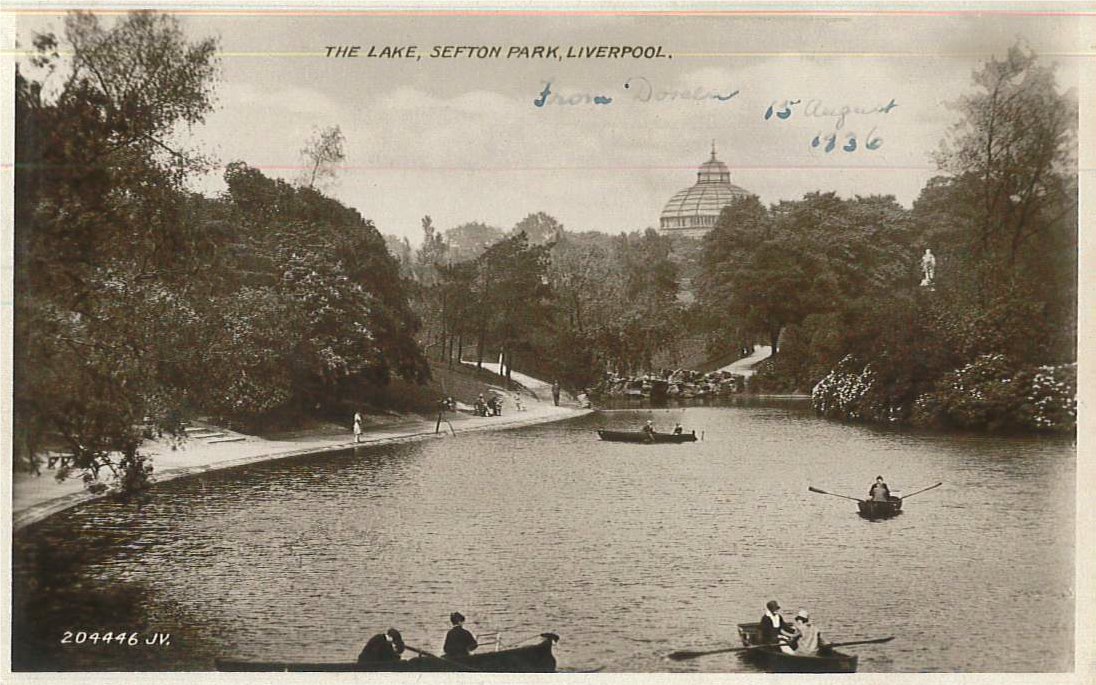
(646, 438)
(537, 658)
(648, 435)
(770, 656)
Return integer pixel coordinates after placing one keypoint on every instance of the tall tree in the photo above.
(103, 248)
(540, 228)
(1015, 141)
(322, 154)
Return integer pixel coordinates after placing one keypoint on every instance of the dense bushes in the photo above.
(989, 393)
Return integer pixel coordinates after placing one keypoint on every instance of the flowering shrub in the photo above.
(1050, 399)
(843, 391)
(991, 393)
(988, 393)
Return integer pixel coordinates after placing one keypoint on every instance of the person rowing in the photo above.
(774, 628)
(382, 647)
(879, 492)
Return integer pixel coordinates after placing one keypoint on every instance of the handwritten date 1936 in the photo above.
(847, 141)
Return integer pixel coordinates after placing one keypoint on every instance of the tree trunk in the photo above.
(774, 338)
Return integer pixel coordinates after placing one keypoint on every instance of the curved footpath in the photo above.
(37, 497)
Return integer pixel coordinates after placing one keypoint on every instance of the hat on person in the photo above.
(803, 615)
(397, 639)
(456, 617)
(772, 605)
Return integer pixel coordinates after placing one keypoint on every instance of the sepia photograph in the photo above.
(532, 338)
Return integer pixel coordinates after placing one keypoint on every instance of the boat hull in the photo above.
(870, 509)
(775, 661)
(530, 659)
(646, 438)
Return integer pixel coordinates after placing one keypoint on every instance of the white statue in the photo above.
(928, 268)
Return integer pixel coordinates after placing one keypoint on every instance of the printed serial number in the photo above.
(80, 637)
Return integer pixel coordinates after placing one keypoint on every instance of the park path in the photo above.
(37, 496)
(745, 366)
(542, 390)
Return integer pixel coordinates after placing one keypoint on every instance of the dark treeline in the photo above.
(140, 303)
(991, 342)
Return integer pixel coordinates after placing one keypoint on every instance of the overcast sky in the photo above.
(461, 139)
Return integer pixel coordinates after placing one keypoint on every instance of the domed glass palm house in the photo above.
(693, 211)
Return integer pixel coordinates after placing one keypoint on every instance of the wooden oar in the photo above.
(683, 655)
(833, 494)
(920, 491)
(459, 665)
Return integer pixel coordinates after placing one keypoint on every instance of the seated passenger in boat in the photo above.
(459, 641)
(807, 637)
(382, 647)
(649, 427)
(879, 492)
(678, 430)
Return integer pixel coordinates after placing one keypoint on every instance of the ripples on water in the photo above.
(628, 551)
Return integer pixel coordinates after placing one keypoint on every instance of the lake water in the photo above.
(628, 552)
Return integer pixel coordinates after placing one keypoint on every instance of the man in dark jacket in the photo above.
(879, 492)
(458, 641)
(382, 647)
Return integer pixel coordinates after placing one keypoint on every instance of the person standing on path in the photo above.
(555, 392)
(357, 426)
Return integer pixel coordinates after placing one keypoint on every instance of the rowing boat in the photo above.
(528, 659)
(773, 660)
(646, 438)
(872, 509)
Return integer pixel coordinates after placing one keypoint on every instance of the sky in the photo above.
(462, 139)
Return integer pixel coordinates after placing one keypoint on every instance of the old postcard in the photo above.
(588, 339)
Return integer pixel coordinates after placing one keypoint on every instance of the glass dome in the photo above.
(694, 210)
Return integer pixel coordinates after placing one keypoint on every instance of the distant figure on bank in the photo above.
(481, 405)
(928, 267)
(678, 430)
(879, 492)
(517, 402)
(357, 426)
(807, 637)
(774, 629)
(382, 647)
(555, 392)
(458, 641)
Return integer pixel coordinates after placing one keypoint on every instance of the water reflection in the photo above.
(628, 551)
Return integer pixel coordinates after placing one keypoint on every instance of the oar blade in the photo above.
(683, 655)
(876, 641)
